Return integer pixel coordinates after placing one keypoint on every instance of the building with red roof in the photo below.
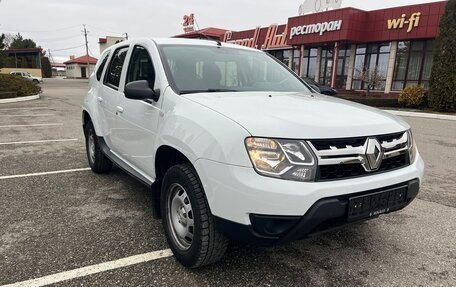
(339, 47)
(80, 67)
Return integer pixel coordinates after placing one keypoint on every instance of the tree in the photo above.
(2, 47)
(7, 40)
(46, 67)
(2, 41)
(371, 77)
(442, 91)
(19, 42)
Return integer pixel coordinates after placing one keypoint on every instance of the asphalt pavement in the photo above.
(60, 223)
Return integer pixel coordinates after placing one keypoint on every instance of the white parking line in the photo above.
(35, 108)
(44, 173)
(33, 125)
(41, 141)
(92, 269)
(41, 115)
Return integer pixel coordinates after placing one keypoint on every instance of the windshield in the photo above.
(310, 81)
(194, 69)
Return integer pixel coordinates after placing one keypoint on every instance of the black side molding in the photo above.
(125, 167)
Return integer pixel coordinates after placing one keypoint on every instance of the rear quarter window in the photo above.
(102, 65)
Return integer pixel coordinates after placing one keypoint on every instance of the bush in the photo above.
(412, 97)
(19, 85)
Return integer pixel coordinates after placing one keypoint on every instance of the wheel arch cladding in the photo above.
(165, 157)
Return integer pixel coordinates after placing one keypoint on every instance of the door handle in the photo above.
(119, 109)
(99, 99)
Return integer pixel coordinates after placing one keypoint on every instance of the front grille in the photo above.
(344, 171)
(347, 158)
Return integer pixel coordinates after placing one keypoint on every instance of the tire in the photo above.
(98, 162)
(183, 202)
(36, 82)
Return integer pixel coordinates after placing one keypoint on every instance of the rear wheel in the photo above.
(187, 220)
(97, 160)
(36, 81)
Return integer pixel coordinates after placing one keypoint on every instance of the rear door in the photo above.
(138, 122)
(109, 94)
(97, 91)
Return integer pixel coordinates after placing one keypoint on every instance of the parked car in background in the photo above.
(325, 90)
(235, 146)
(28, 76)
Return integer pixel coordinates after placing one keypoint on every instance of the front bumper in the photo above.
(324, 215)
(236, 192)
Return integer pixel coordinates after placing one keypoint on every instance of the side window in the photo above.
(141, 67)
(102, 65)
(114, 71)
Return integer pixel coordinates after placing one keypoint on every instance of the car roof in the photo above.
(183, 41)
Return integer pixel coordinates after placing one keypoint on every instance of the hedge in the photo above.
(20, 86)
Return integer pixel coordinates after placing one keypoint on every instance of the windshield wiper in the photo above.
(207, 91)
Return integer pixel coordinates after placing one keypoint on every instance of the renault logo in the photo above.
(374, 154)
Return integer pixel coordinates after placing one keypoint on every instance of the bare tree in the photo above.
(371, 77)
(8, 39)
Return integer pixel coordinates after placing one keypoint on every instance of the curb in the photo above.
(20, 99)
(422, 115)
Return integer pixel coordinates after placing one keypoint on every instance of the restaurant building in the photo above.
(337, 47)
(23, 60)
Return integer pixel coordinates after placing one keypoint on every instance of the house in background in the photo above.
(108, 42)
(58, 69)
(23, 60)
(76, 68)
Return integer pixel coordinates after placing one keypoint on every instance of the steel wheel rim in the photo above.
(91, 146)
(180, 216)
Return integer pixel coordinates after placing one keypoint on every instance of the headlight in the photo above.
(286, 159)
(411, 146)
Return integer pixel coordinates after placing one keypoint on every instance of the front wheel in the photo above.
(187, 219)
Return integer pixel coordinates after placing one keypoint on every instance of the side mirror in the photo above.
(140, 90)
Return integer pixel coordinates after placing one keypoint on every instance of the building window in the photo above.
(343, 62)
(309, 63)
(413, 64)
(326, 65)
(282, 55)
(371, 60)
(295, 60)
(26, 60)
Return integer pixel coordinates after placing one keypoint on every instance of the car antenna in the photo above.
(212, 39)
(207, 37)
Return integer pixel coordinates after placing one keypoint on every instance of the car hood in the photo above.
(297, 115)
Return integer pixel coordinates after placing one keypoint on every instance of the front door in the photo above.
(138, 123)
(83, 73)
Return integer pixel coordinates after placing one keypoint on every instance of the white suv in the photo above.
(28, 76)
(233, 145)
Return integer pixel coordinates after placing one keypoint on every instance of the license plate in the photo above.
(373, 204)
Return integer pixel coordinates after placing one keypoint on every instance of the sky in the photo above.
(57, 24)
